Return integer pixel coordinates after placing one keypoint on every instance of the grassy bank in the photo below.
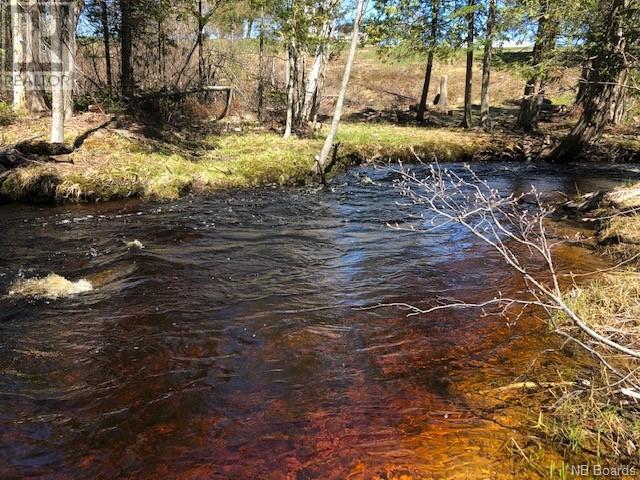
(597, 417)
(116, 163)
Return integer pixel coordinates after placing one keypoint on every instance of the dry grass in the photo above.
(116, 163)
(598, 419)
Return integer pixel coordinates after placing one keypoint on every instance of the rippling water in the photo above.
(230, 347)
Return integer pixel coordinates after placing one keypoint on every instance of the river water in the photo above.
(232, 345)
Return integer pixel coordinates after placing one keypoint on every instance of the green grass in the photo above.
(110, 166)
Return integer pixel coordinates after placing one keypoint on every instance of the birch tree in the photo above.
(34, 94)
(57, 72)
(28, 83)
(337, 114)
(326, 11)
(18, 42)
(70, 50)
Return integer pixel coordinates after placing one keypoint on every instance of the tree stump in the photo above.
(442, 104)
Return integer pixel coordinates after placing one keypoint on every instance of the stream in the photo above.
(233, 346)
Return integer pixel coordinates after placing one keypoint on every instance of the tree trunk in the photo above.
(57, 73)
(260, 94)
(468, 84)
(126, 50)
(545, 42)
(618, 105)
(317, 101)
(292, 87)
(106, 40)
(311, 91)
(18, 40)
(443, 96)
(582, 85)
(273, 79)
(435, 12)
(35, 81)
(486, 65)
(608, 51)
(300, 91)
(201, 63)
(249, 28)
(70, 49)
(320, 168)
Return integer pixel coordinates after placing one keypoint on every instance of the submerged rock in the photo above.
(50, 287)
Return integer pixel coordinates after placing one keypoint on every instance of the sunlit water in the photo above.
(231, 346)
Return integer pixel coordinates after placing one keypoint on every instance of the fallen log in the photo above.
(178, 94)
(32, 150)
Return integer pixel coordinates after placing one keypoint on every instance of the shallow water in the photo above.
(232, 346)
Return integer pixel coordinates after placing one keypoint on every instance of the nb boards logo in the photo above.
(600, 471)
(38, 44)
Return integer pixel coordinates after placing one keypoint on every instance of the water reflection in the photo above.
(230, 347)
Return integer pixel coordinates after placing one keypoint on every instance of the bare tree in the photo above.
(518, 234)
(337, 114)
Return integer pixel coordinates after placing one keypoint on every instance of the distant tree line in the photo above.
(127, 48)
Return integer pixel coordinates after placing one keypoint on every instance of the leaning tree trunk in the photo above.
(468, 84)
(34, 94)
(18, 51)
(433, 38)
(321, 165)
(486, 65)
(57, 73)
(608, 51)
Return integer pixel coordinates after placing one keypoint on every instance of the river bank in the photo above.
(127, 160)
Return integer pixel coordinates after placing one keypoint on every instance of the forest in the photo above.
(337, 239)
